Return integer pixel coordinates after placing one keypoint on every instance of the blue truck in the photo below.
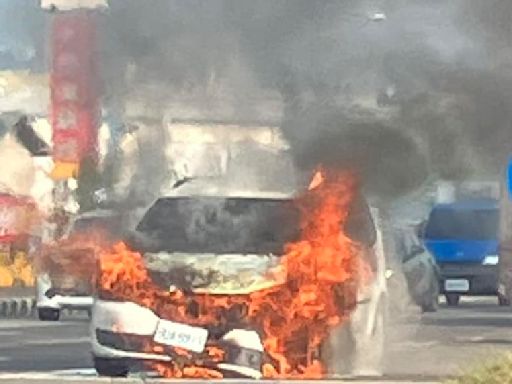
(463, 238)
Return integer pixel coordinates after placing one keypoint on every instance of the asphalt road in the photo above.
(450, 341)
(32, 345)
(443, 343)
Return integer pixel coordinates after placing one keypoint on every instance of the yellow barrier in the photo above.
(18, 271)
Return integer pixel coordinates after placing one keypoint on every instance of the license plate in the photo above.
(181, 335)
(456, 285)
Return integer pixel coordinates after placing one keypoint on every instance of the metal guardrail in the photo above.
(17, 307)
(17, 302)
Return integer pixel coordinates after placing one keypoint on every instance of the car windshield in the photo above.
(221, 225)
(452, 224)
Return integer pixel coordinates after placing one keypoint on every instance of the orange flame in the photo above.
(293, 319)
(318, 178)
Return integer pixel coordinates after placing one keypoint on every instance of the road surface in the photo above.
(450, 341)
(419, 346)
(31, 345)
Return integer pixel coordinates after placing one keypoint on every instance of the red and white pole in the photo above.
(75, 108)
(74, 82)
(75, 104)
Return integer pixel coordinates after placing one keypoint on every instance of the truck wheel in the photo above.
(110, 367)
(503, 301)
(452, 299)
(48, 314)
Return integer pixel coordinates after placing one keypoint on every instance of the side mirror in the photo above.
(413, 252)
(420, 230)
(140, 242)
(417, 249)
(132, 239)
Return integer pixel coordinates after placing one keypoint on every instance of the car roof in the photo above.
(469, 205)
(97, 214)
(206, 187)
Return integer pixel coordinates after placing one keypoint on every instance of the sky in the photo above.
(22, 36)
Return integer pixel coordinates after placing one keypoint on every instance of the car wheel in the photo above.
(48, 314)
(110, 367)
(503, 301)
(452, 299)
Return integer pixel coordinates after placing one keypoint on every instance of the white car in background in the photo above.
(57, 290)
(419, 267)
(181, 236)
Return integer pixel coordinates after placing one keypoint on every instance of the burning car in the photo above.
(58, 284)
(217, 283)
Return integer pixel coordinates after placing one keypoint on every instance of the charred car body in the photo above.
(56, 287)
(201, 239)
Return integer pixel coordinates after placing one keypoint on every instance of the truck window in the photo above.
(451, 224)
(221, 225)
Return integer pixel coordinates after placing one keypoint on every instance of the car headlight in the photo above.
(125, 317)
(491, 260)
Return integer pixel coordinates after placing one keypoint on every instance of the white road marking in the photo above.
(49, 342)
(48, 377)
(408, 345)
(10, 324)
(76, 372)
(67, 340)
(68, 373)
(10, 333)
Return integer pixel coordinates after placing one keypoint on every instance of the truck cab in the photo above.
(463, 238)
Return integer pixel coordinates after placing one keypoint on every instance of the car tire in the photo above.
(48, 314)
(503, 301)
(452, 299)
(110, 367)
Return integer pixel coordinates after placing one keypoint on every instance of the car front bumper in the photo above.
(483, 279)
(124, 330)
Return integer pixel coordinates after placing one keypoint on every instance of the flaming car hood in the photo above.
(222, 274)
